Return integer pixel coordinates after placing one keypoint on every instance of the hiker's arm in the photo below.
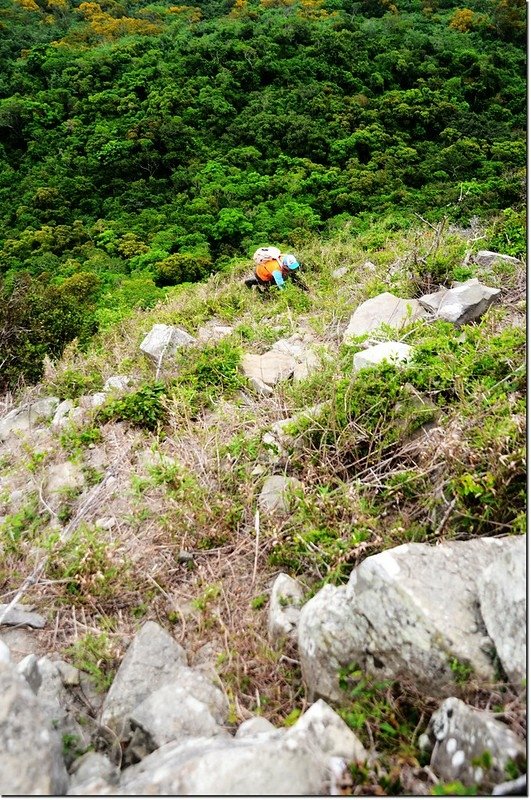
(277, 277)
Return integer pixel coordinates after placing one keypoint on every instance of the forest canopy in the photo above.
(145, 145)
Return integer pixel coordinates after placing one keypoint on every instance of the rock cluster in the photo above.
(171, 723)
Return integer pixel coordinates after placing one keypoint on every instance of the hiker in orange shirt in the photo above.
(274, 267)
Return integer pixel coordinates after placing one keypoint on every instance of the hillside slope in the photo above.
(144, 502)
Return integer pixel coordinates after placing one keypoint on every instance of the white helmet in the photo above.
(265, 253)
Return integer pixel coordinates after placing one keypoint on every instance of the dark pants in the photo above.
(293, 276)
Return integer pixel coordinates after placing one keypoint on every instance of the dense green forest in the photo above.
(146, 145)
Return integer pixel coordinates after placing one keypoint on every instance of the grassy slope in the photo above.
(191, 485)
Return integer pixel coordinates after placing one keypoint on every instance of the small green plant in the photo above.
(74, 441)
(461, 671)
(384, 706)
(259, 601)
(484, 760)
(72, 747)
(205, 375)
(210, 593)
(455, 788)
(145, 408)
(508, 233)
(72, 383)
(292, 717)
(85, 561)
(23, 525)
(95, 654)
(35, 460)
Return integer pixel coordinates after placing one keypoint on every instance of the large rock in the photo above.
(90, 767)
(411, 611)
(275, 495)
(163, 341)
(471, 746)
(299, 346)
(293, 761)
(153, 659)
(502, 597)
(59, 708)
(117, 383)
(486, 258)
(385, 309)
(268, 369)
(212, 332)
(20, 615)
(62, 414)
(30, 751)
(393, 352)
(64, 477)
(169, 715)
(27, 417)
(284, 608)
(464, 302)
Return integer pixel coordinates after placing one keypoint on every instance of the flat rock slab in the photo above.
(462, 736)
(463, 303)
(275, 494)
(20, 615)
(386, 309)
(269, 368)
(210, 333)
(392, 352)
(410, 611)
(152, 660)
(163, 341)
(486, 258)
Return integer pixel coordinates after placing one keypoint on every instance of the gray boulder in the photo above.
(62, 414)
(59, 707)
(31, 760)
(27, 417)
(502, 598)
(153, 659)
(268, 369)
(117, 383)
(393, 352)
(29, 669)
(91, 767)
(20, 615)
(255, 726)
(411, 611)
(169, 715)
(163, 341)
(486, 258)
(275, 495)
(292, 761)
(212, 332)
(471, 746)
(299, 346)
(287, 596)
(464, 302)
(63, 477)
(385, 309)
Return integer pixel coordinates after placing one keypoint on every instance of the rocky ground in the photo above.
(200, 595)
